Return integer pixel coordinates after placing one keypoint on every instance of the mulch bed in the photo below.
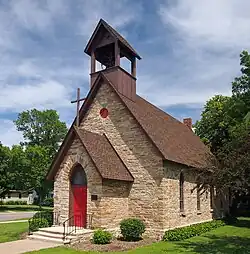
(115, 245)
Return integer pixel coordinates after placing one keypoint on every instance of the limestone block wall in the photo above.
(137, 152)
(76, 154)
(172, 215)
(114, 202)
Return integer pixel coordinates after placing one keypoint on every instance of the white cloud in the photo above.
(118, 13)
(37, 14)
(206, 38)
(9, 135)
(218, 23)
(48, 94)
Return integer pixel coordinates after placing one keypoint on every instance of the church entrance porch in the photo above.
(78, 197)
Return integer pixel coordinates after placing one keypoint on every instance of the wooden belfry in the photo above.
(107, 47)
(77, 101)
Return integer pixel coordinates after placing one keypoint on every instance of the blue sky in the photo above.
(190, 52)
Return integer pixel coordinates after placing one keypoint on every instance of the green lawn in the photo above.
(22, 208)
(228, 239)
(12, 231)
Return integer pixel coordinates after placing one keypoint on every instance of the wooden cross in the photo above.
(77, 101)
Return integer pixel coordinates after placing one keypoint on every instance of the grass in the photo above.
(12, 231)
(228, 239)
(22, 208)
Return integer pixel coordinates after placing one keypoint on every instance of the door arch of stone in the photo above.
(78, 197)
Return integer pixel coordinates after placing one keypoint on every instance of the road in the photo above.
(15, 215)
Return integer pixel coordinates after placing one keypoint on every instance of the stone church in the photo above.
(124, 157)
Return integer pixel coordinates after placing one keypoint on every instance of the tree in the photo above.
(19, 168)
(38, 163)
(234, 158)
(225, 126)
(213, 126)
(42, 128)
(5, 182)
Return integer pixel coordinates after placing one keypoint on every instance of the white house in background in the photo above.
(17, 195)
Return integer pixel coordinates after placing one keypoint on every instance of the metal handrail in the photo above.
(73, 223)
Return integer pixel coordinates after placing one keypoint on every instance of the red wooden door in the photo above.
(80, 205)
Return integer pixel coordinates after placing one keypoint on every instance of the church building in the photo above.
(123, 157)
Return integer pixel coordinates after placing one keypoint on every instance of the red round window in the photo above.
(104, 113)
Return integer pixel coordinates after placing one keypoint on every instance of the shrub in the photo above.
(132, 229)
(48, 202)
(102, 237)
(179, 234)
(48, 215)
(230, 219)
(35, 224)
(16, 202)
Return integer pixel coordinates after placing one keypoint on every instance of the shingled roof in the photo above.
(113, 32)
(104, 156)
(174, 139)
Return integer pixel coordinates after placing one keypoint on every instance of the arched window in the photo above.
(78, 176)
(211, 196)
(181, 192)
(198, 197)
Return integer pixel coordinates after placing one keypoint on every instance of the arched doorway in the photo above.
(78, 197)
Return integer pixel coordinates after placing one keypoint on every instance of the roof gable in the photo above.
(175, 141)
(115, 35)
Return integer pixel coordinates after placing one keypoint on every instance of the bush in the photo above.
(48, 202)
(132, 229)
(48, 215)
(102, 237)
(16, 202)
(179, 234)
(36, 201)
(35, 224)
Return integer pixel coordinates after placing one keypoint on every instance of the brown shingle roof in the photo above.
(174, 140)
(114, 33)
(105, 158)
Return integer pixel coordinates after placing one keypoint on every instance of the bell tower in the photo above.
(107, 46)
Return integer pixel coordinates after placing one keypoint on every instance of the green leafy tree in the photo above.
(225, 126)
(5, 181)
(19, 168)
(234, 157)
(38, 158)
(213, 127)
(42, 128)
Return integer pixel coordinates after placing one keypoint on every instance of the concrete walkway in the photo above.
(23, 246)
(12, 221)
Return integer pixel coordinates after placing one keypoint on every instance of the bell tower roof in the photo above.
(103, 35)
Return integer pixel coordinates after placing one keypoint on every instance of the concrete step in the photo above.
(51, 235)
(47, 239)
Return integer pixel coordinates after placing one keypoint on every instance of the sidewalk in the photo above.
(22, 246)
(12, 221)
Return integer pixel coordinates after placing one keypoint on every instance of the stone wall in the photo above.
(76, 154)
(154, 194)
(137, 152)
(172, 215)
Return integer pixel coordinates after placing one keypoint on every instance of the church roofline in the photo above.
(114, 33)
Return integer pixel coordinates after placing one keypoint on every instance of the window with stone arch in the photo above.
(78, 176)
(182, 192)
(198, 193)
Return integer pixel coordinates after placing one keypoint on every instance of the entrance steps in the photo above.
(55, 234)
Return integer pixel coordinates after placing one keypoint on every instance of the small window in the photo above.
(181, 192)
(20, 195)
(198, 198)
(211, 197)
